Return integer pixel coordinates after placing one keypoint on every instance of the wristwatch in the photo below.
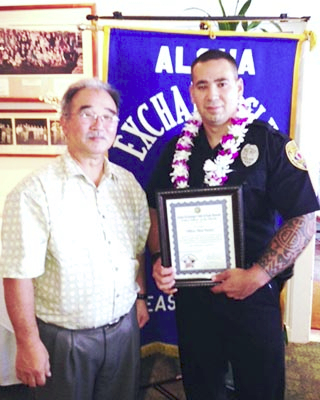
(142, 296)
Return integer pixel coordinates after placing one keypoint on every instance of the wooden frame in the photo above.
(201, 232)
(30, 133)
(47, 51)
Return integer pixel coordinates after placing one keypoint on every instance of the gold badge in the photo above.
(295, 156)
(249, 154)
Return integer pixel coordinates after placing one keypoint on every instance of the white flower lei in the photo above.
(215, 171)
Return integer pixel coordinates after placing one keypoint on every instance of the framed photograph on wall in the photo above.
(30, 133)
(43, 50)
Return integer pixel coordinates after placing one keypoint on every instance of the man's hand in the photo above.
(142, 313)
(164, 277)
(32, 359)
(238, 283)
(32, 363)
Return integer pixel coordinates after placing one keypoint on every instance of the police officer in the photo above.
(237, 321)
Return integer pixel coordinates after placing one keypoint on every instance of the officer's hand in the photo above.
(238, 283)
(164, 277)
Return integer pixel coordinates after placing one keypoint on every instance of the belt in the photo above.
(114, 322)
(111, 324)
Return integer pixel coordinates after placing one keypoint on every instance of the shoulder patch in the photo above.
(295, 156)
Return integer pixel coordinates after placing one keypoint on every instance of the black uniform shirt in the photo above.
(272, 185)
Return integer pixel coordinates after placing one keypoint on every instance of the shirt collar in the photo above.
(73, 169)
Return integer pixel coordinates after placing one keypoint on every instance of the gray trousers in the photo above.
(92, 364)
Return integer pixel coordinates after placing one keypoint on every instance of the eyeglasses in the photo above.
(89, 116)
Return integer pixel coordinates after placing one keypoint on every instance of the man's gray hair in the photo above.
(89, 83)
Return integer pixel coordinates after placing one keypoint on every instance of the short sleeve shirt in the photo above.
(77, 241)
(272, 185)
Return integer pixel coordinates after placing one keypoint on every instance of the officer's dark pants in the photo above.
(214, 329)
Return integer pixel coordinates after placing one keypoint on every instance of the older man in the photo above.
(73, 240)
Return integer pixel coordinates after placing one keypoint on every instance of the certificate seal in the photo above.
(249, 154)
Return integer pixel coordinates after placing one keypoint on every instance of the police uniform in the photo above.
(214, 329)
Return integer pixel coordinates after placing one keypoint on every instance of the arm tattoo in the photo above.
(287, 244)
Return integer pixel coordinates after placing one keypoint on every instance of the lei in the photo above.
(215, 171)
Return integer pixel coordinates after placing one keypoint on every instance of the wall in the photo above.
(300, 290)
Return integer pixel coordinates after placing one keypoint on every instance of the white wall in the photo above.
(300, 293)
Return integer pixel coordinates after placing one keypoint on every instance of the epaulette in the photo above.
(258, 123)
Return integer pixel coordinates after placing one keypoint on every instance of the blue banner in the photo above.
(152, 72)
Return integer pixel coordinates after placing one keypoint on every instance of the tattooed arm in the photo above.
(287, 244)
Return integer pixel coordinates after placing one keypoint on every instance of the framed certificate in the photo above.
(201, 232)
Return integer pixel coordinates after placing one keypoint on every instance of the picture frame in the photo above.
(44, 51)
(30, 133)
(201, 232)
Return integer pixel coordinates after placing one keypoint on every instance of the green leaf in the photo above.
(227, 26)
(245, 26)
(222, 9)
(244, 8)
(277, 26)
(253, 25)
(224, 26)
(232, 26)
